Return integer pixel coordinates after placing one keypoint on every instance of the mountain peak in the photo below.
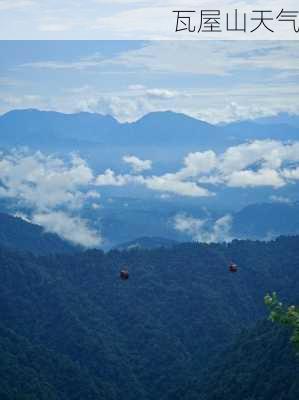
(169, 116)
(29, 112)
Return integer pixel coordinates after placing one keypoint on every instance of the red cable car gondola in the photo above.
(124, 274)
(233, 268)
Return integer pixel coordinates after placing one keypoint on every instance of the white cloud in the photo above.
(222, 59)
(167, 183)
(211, 105)
(252, 164)
(93, 195)
(45, 185)
(22, 101)
(109, 178)
(93, 61)
(291, 174)
(48, 186)
(198, 163)
(280, 199)
(204, 230)
(73, 229)
(51, 187)
(161, 93)
(124, 108)
(260, 163)
(189, 225)
(29, 177)
(170, 183)
(137, 164)
(231, 84)
(270, 153)
(221, 229)
(248, 178)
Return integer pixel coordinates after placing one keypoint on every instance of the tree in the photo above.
(287, 315)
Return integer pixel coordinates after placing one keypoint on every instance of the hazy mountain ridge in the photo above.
(146, 242)
(42, 128)
(267, 220)
(263, 221)
(281, 118)
(152, 224)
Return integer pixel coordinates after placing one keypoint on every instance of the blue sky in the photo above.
(212, 80)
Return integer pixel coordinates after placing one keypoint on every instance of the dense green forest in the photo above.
(71, 329)
(260, 365)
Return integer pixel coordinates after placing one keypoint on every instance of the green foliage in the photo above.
(284, 315)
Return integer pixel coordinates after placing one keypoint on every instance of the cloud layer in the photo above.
(137, 164)
(261, 163)
(53, 191)
(233, 83)
(204, 230)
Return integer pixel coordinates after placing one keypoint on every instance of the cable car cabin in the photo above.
(124, 275)
(233, 268)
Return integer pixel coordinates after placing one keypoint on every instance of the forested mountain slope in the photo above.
(139, 339)
(15, 233)
(260, 365)
(267, 220)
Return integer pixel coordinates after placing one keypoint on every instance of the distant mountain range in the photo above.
(153, 225)
(53, 130)
(267, 220)
(281, 118)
